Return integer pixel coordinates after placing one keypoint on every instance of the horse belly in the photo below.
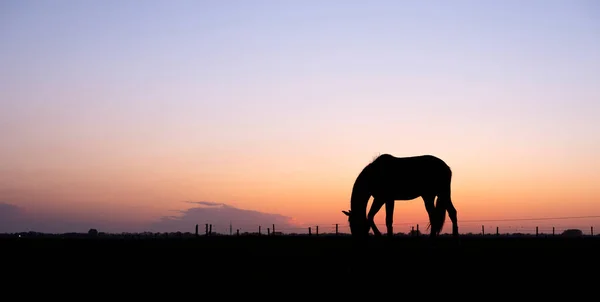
(408, 195)
(405, 190)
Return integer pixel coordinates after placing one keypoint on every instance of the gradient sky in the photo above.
(118, 112)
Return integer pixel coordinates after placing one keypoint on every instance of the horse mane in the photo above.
(360, 179)
(375, 157)
(378, 156)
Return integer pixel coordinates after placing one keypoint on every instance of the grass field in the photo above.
(287, 256)
(290, 267)
(300, 266)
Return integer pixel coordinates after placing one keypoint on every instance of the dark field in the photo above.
(279, 258)
(300, 267)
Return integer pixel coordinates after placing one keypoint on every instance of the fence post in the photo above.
(206, 229)
(268, 231)
(418, 229)
(210, 229)
(482, 230)
(536, 231)
(552, 231)
(237, 232)
(317, 231)
(412, 230)
(336, 229)
(497, 232)
(259, 230)
(309, 232)
(273, 229)
(592, 230)
(196, 230)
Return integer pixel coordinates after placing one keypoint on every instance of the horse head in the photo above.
(358, 225)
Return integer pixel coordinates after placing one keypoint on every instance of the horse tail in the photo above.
(439, 217)
(443, 202)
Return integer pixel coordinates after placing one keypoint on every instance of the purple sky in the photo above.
(120, 111)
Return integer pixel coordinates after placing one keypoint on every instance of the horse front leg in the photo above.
(377, 204)
(389, 217)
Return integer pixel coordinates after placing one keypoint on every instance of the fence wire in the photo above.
(540, 226)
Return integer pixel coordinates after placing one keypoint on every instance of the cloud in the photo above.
(11, 218)
(220, 215)
(206, 203)
(16, 219)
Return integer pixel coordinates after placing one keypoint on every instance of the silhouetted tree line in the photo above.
(94, 233)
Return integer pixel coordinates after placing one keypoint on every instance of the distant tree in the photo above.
(93, 232)
(572, 233)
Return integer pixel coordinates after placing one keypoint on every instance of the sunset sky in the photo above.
(156, 115)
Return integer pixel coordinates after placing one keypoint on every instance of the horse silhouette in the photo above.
(388, 178)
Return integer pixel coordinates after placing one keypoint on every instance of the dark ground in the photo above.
(318, 261)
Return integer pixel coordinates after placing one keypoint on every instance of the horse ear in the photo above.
(347, 213)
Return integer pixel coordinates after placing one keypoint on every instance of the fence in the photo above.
(475, 227)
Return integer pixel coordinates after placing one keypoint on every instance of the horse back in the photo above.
(410, 176)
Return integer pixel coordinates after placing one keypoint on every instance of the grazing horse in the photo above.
(388, 178)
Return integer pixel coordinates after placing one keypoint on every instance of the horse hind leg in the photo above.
(444, 204)
(452, 213)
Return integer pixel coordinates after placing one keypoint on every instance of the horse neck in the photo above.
(360, 194)
(358, 204)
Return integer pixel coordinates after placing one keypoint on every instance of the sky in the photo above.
(157, 115)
